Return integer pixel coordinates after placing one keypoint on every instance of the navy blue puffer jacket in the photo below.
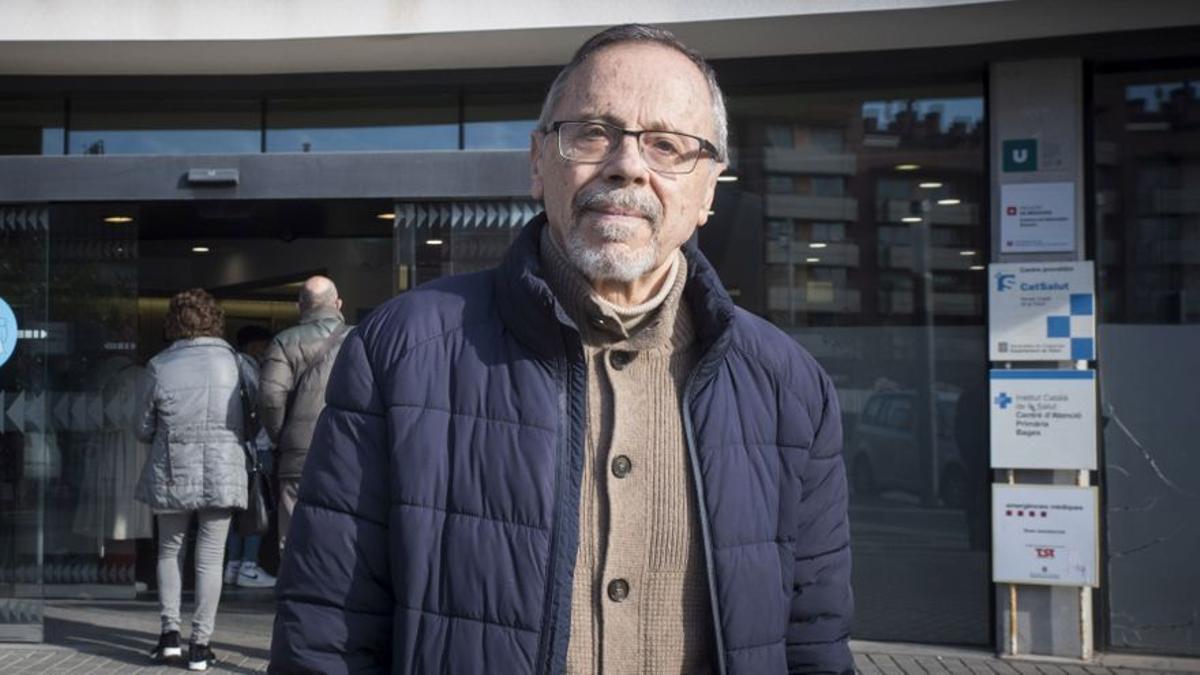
(438, 514)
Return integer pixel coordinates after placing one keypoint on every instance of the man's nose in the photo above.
(625, 164)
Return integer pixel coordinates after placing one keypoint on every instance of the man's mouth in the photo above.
(623, 213)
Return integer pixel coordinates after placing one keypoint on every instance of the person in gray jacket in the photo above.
(294, 372)
(191, 413)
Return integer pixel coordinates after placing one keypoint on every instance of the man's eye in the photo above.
(666, 146)
(593, 132)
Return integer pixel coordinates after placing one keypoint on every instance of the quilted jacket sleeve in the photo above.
(334, 596)
(147, 405)
(822, 604)
(275, 381)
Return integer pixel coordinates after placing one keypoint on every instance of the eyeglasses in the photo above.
(668, 152)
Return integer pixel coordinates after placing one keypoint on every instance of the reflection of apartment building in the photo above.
(859, 209)
(388, 145)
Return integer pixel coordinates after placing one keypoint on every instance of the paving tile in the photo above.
(886, 664)
(932, 664)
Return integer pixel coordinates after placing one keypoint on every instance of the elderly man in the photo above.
(295, 370)
(588, 459)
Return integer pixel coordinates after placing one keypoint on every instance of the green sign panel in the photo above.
(1020, 155)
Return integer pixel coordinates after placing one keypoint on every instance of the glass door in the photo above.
(437, 239)
(27, 450)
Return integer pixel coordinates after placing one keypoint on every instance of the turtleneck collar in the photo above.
(660, 321)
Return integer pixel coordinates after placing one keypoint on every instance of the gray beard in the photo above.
(610, 261)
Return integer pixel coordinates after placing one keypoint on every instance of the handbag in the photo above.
(256, 517)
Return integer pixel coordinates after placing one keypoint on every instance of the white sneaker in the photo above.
(231, 571)
(253, 576)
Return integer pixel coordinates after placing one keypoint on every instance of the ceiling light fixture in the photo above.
(911, 219)
(907, 167)
(200, 249)
(118, 220)
(386, 215)
(949, 202)
(931, 185)
(817, 244)
(812, 260)
(727, 178)
(433, 242)
(977, 268)
(966, 253)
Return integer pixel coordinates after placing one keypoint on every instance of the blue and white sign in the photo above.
(8, 332)
(1041, 312)
(1043, 419)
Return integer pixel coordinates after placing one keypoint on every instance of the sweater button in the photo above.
(619, 359)
(618, 590)
(621, 466)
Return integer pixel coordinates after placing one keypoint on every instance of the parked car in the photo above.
(886, 449)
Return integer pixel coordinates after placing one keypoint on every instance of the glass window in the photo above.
(417, 122)
(1148, 176)
(499, 121)
(156, 127)
(1146, 172)
(31, 127)
(866, 209)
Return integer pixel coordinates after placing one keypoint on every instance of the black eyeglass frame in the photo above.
(706, 146)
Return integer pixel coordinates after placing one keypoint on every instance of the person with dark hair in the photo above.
(190, 412)
(587, 460)
(295, 369)
(242, 567)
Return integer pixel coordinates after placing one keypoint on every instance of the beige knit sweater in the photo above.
(640, 599)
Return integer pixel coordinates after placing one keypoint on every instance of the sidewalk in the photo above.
(113, 637)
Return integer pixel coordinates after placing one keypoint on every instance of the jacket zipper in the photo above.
(701, 504)
(549, 629)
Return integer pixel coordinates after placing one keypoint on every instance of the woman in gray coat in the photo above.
(191, 415)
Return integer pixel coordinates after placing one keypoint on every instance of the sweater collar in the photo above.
(528, 307)
(652, 324)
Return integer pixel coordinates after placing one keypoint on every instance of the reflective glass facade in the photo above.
(163, 127)
(857, 226)
(1146, 168)
(31, 127)
(499, 121)
(417, 122)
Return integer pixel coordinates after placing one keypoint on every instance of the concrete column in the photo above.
(1040, 101)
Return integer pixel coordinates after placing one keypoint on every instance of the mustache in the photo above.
(601, 198)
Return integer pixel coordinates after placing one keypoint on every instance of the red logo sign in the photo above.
(1012, 210)
(1045, 553)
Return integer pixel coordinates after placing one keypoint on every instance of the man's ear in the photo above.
(536, 187)
(709, 194)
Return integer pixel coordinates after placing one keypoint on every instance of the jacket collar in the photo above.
(321, 314)
(183, 343)
(529, 308)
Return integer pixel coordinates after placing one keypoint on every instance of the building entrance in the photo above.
(90, 284)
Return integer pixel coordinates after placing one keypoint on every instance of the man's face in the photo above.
(620, 220)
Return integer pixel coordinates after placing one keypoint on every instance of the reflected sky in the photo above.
(364, 138)
(164, 141)
(1154, 95)
(951, 110)
(504, 135)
